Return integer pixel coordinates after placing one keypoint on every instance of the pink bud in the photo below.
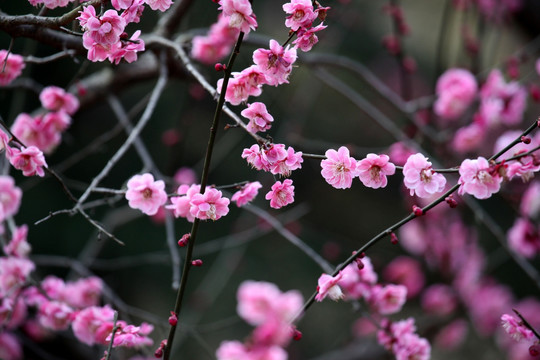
(184, 240)
(173, 319)
(197, 262)
(525, 139)
(393, 238)
(451, 201)
(417, 210)
(297, 335)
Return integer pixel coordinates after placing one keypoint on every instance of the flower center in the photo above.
(147, 193)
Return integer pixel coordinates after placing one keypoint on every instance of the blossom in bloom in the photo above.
(93, 324)
(476, 179)
(105, 30)
(508, 99)
(388, 299)
(420, 178)
(217, 43)
(121, 4)
(306, 38)
(524, 237)
(240, 14)
(127, 50)
(17, 246)
(12, 65)
(525, 166)
(54, 98)
(339, 168)
(131, 336)
(256, 300)
(133, 13)
(210, 205)
(41, 131)
(82, 293)
(291, 161)
(247, 193)
(29, 160)
(254, 157)
(181, 204)
(10, 197)
(145, 194)
(515, 328)
(400, 338)
(372, 170)
(357, 283)
(301, 14)
(281, 194)
(54, 315)
(456, 90)
(328, 286)
(160, 5)
(259, 118)
(275, 63)
(13, 274)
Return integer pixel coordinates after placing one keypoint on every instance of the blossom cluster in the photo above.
(264, 306)
(12, 67)
(104, 35)
(39, 308)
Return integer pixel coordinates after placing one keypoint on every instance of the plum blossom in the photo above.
(160, 5)
(328, 286)
(216, 44)
(372, 170)
(281, 194)
(339, 168)
(388, 299)
(259, 118)
(13, 274)
(131, 336)
(181, 204)
(54, 98)
(357, 283)
(400, 338)
(145, 194)
(17, 246)
(524, 237)
(41, 131)
(456, 90)
(515, 328)
(10, 197)
(127, 50)
(476, 178)
(275, 63)
(210, 205)
(420, 178)
(301, 14)
(93, 324)
(407, 271)
(13, 66)
(244, 84)
(246, 194)
(468, 138)
(29, 160)
(240, 14)
(525, 166)
(55, 315)
(306, 39)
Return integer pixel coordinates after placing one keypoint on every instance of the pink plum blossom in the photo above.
(133, 13)
(41, 131)
(400, 338)
(328, 286)
(145, 194)
(372, 170)
(399, 153)
(388, 299)
(246, 194)
(259, 118)
(104, 30)
(181, 204)
(160, 5)
(17, 246)
(301, 14)
(216, 44)
(357, 283)
(515, 328)
(244, 84)
(339, 168)
(82, 293)
(476, 178)
(524, 237)
(285, 165)
(13, 274)
(55, 315)
(240, 14)
(525, 166)
(275, 63)
(530, 201)
(10, 197)
(121, 4)
(281, 194)
(468, 138)
(185, 175)
(210, 205)
(127, 50)
(29, 160)
(12, 67)
(456, 90)
(131, 336)
(306, 39)
(93, 324)
(54, 98)
(508, 98)
(420, 178)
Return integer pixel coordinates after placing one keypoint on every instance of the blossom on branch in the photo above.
(339, 168)
(246, 194)
(240, 14)
(301, 13)
(259, 118)
(12, 66)
(477, 178)
(420, 178)
(372, 170)
(281, 194)
(145, 194)
(275, 63)
(210, 205)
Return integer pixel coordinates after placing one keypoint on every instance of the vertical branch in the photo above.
(204, 182)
